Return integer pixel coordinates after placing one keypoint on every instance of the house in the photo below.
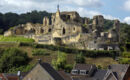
(66, 76)
(90, 72)
(43, 71)
(83, 70)
(104, 75)
(7, 76)
(121, 71)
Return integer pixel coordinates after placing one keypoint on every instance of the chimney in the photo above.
(39, 60)
(19, 74)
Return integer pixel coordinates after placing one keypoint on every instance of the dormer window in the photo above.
(74, 72)
(83, 72)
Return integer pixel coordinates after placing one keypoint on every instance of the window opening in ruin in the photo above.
(42, 31)
(74, 28)
(63, 31)
(68, 16)
(49, 30)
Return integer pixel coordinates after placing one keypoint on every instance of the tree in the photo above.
(60, 63)
(80, 58)
(12, 57)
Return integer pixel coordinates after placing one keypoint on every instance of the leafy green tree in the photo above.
(12, 57)
(60, 62)
(80, 58)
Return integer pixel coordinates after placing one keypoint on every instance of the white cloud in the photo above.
(80, 6)
(87, 13)
(127, 5)
(127, 20)
(86, 3)
(49, 5)
(110, 17)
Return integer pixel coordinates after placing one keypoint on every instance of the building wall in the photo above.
(1, 76)
(111, 77)
(127, 76)
(38, 73)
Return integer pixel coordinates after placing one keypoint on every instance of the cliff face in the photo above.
(69, 28)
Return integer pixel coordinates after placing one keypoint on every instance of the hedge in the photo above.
(88, 53)
(39, 52)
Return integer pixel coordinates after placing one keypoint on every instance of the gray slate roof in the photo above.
(83, 66)
(119, 70)
(51, 71)
(100, 74)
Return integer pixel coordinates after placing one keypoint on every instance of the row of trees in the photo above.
(8, 20)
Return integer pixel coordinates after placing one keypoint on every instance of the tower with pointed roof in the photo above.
(58, 11)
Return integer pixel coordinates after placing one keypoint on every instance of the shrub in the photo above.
(124, 61)
(80, 58)
(68, 68)
(60, 62)
(126, 54)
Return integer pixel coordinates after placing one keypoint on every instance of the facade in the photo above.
(5, 76)
(43, 71)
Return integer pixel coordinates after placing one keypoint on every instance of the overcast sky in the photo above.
(111, 9)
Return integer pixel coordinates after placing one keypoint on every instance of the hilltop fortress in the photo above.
(70, 29)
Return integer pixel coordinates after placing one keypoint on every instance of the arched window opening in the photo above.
(63, 31)
(49, 30)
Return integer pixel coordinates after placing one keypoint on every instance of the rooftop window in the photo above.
(74, 72)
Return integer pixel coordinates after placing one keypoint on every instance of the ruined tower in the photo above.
(116, 25)
(46, 21)
(98, 20)
(58, 12)
(98, 23)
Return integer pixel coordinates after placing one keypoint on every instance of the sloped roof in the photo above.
(11, 76)
(100, 74)
(65, 75)
(51, 71)
(84, 66)
(119, 70)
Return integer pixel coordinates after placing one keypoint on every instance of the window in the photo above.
(74, 28)
(63, 31)
(74, 72)
(83, 72)
(49, 30)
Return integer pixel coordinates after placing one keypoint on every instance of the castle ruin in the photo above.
(70, 29)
